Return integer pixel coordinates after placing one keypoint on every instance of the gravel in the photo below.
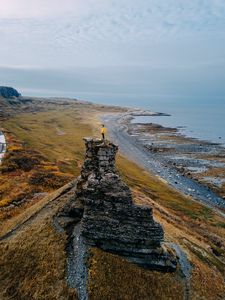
(76, 268)
(133, 148)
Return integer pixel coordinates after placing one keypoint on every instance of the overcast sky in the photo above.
(83, 47)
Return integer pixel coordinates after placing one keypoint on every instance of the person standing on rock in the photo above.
(103, 131)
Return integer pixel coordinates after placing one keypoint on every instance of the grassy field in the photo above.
(33, 260)
(45, 152)
(57, 135)
(112, 277)
(54, 139)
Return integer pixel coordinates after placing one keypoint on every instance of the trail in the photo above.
(132, 147)
(77, 273)
(77, 253)
(185, 269)
(77, 250)
(29, 219)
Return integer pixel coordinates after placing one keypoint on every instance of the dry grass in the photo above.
(39, 158)
(112, 277)
(33, 259)
(206, 282)
(63, 150)
(197, 229)
(190, 214)
(160, 192)
(26, 174)
(35, 255)
(43, 155)
(58, 134)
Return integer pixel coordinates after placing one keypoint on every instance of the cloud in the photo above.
(70, 34)
(46, 9)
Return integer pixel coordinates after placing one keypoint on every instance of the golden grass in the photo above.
(160, 192)
(189, 214)
(54, 157)
(57, 135)
(30, 211)
(26, 173)
(112, 277)
(33, 259)
(51, 144)
(64, 150)
(206, 282)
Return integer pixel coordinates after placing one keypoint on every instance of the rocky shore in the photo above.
(173, 157)
(200, 160)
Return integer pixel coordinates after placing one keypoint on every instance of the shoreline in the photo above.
(134, 140)
(151, 145)
(182, 130)
(55, 145)
(199, 159)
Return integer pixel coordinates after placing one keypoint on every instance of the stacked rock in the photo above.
(100, 157)
(110, 220)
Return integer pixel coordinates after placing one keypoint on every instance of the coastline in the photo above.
(184, 130)
(164, 151)
(55, 145)
(160, 149)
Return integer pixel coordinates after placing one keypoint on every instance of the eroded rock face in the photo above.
(109, 219)
(8, 92)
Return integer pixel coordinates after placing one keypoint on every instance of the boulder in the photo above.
(8, 92)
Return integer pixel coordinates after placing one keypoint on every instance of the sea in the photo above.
(198, 117)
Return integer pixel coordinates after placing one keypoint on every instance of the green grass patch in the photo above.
(59, 138)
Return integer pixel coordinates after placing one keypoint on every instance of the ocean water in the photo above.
(196, 117)
(202, 118)
(199, 117)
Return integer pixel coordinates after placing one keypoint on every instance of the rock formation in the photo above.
(108, 217)
(8, 92)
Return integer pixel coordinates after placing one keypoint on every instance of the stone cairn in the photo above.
(108, 218)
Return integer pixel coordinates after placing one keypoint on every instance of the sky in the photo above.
(114, 48)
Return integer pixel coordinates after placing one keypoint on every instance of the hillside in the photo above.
(34, 249)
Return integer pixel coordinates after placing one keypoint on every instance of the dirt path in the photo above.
(185, 269)
(32, 216)
(77, 273)
(132, 148)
